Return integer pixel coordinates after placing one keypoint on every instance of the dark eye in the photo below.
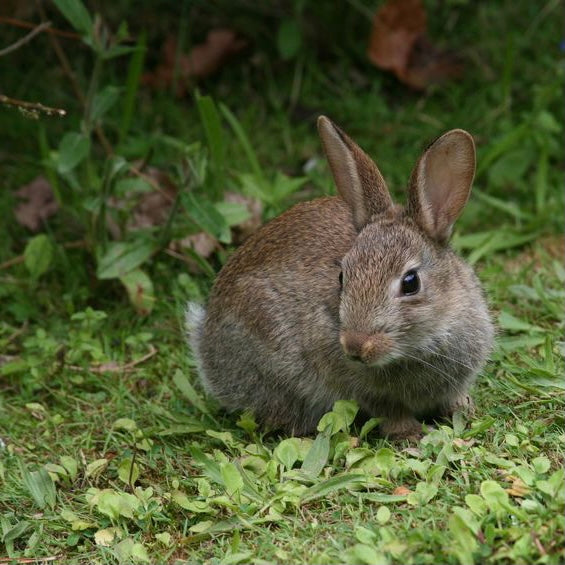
(410, 283)
(341, 279)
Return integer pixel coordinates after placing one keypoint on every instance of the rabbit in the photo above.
(351, 297)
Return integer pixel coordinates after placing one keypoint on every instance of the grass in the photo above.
(109, 451)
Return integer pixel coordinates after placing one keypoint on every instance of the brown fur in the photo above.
(270, 338)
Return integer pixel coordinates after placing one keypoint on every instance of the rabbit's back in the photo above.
(269, 337)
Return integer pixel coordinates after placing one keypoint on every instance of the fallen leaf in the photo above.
(429, 65)
(396, 27)
(401, 491)
(202, 243)
(398, 43)
(38, 204)
(153, 207)
(518, 489)
(147, 197)
(203, 60)
(463, 442)
(413, 452)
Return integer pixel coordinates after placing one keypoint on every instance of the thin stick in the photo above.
(28, 25)
(29, 559)
(154, 184)
(74, 83)
(16, 334)
(112, 368)
(63, 59)
(31, 107)
(21, 258)
(538, 544)
(25, 39)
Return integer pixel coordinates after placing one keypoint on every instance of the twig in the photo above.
(36, 560)
(11, 262)
(28, 25)
(25, 39)
(177, 255)
(63, 59)
(32, 108)
(154, 184)
(113, 368)
(74, 83)
(538, 544)
(16, 334)
(21, 258)
(130, 476)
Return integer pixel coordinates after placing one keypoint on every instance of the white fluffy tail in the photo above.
(194, 320)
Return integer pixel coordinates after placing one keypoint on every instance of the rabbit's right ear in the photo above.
(358, 180)
(441, 183)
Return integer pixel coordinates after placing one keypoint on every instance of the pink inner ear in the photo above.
(448, 171)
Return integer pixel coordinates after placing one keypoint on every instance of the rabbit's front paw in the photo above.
(462, 403)
(398, 429)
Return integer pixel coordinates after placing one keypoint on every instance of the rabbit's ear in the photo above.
(358, 180)
(441, 183)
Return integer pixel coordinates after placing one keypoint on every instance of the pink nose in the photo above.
(364, 347)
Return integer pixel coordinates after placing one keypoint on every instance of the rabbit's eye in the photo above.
(341, 279)
(410, 283)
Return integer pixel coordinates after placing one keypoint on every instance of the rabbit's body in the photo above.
(282, 337)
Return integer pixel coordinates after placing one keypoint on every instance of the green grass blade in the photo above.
(541, 183)
(210, 119)
(317, 457)
(132, 85)
(244, 140)
(40, 486)
(189, 392)
(76, 14)
(509, 207)
(334, 484)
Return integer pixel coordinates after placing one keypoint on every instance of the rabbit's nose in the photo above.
(363, 347)
(352, 344)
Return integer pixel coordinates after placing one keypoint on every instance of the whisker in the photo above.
(451, 359)
(449, 379)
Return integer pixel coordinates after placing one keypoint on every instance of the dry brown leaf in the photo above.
(205, 245)
(403, 491)
(429, 65)
(147, 209)
(203, 60)
(153, 208)
(202, 243)
(459, 442)
(396, 27)
(354, 442)
(38, 203)
(398, 43)
(518, 488)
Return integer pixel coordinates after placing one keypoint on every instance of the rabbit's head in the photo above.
(403, 289)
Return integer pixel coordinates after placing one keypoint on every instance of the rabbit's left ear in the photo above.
(441, 183)
(357, 178)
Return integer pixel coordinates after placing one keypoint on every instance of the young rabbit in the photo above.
(351, 297)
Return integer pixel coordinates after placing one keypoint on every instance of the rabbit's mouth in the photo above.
(373, 350)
